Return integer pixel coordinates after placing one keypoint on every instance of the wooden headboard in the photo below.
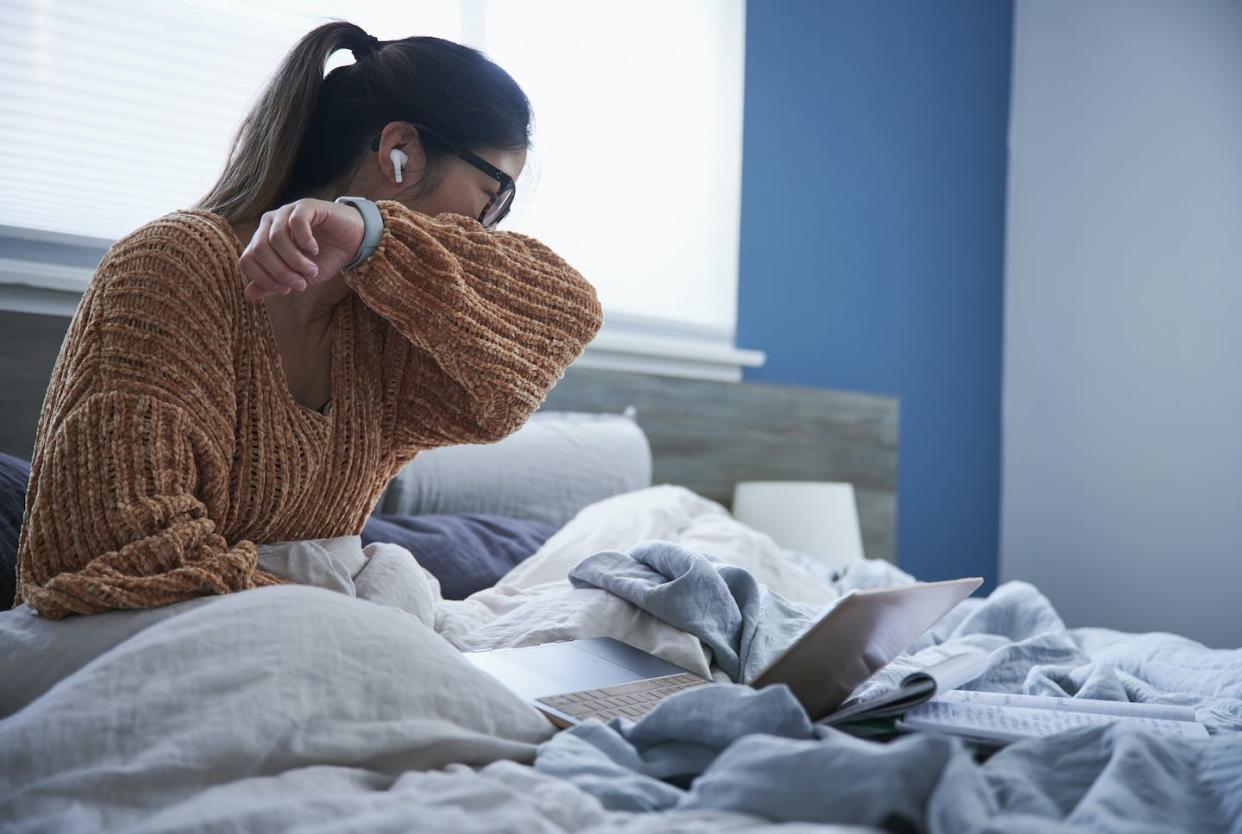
(704, 435)
(708, 435)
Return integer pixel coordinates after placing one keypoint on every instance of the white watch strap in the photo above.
(373, 228)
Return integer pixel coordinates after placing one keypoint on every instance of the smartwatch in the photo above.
(373, 228)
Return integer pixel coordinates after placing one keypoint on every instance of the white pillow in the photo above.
(248, 685)
(556, 464)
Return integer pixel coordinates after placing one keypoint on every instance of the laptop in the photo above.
(602, 678)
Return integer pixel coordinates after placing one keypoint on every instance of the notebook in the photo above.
(1001, 718)
(915, 689)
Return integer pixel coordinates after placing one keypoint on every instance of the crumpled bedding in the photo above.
(340, 705)
(299, 708)
(745, 624)
(1094, 779)
(728, 747)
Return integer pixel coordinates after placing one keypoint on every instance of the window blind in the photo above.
(114, 113)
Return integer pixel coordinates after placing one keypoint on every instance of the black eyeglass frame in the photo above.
(508, 188)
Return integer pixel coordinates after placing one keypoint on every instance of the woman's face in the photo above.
(462, 189)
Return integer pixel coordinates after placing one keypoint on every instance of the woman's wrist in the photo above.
(373, 231)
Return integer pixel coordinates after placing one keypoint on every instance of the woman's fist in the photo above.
(301, 243)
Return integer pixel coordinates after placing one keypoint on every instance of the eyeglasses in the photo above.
(501, 202)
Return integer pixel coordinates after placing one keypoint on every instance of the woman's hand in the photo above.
(301, 243)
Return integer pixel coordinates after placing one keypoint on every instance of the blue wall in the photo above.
(872, 240)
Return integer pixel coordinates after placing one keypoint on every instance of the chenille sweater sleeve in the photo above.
(481, 325)
(131, 456)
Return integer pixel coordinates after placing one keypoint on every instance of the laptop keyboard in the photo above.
(624, 700)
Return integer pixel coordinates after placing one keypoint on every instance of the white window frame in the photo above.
(626, 342)
(35, 277)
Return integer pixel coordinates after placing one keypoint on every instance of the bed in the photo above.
(344, 704)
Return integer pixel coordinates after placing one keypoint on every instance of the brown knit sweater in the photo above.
(169, 442)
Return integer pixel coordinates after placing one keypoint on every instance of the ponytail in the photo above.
(305, 131)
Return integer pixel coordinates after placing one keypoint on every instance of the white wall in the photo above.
(1122, 485)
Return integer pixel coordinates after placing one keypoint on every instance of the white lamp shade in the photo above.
(812, 517)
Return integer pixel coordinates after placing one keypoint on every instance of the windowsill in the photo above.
(32, 282)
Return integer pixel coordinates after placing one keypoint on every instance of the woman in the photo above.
(209, 397)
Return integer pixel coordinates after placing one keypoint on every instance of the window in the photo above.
(115, 113)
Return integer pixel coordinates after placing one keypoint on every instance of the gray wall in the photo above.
(1122, 450)
(29, 344)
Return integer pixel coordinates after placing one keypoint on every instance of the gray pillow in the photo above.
(556, 464)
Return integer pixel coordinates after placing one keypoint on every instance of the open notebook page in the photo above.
(998, 723)
(1168, 712)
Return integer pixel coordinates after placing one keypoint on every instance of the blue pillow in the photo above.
(14, 475)
(467, 552)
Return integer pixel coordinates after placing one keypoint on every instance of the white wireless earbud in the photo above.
(399, 159)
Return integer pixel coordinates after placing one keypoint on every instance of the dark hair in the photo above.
(306, 130)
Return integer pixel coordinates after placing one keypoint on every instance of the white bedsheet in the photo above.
(534, 603)
(307, 709)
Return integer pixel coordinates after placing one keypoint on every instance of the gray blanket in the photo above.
(743, 623)
(732, 748)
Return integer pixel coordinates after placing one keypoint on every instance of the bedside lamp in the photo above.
(813, 517)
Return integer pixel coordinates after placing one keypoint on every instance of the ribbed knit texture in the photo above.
(169, 442)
